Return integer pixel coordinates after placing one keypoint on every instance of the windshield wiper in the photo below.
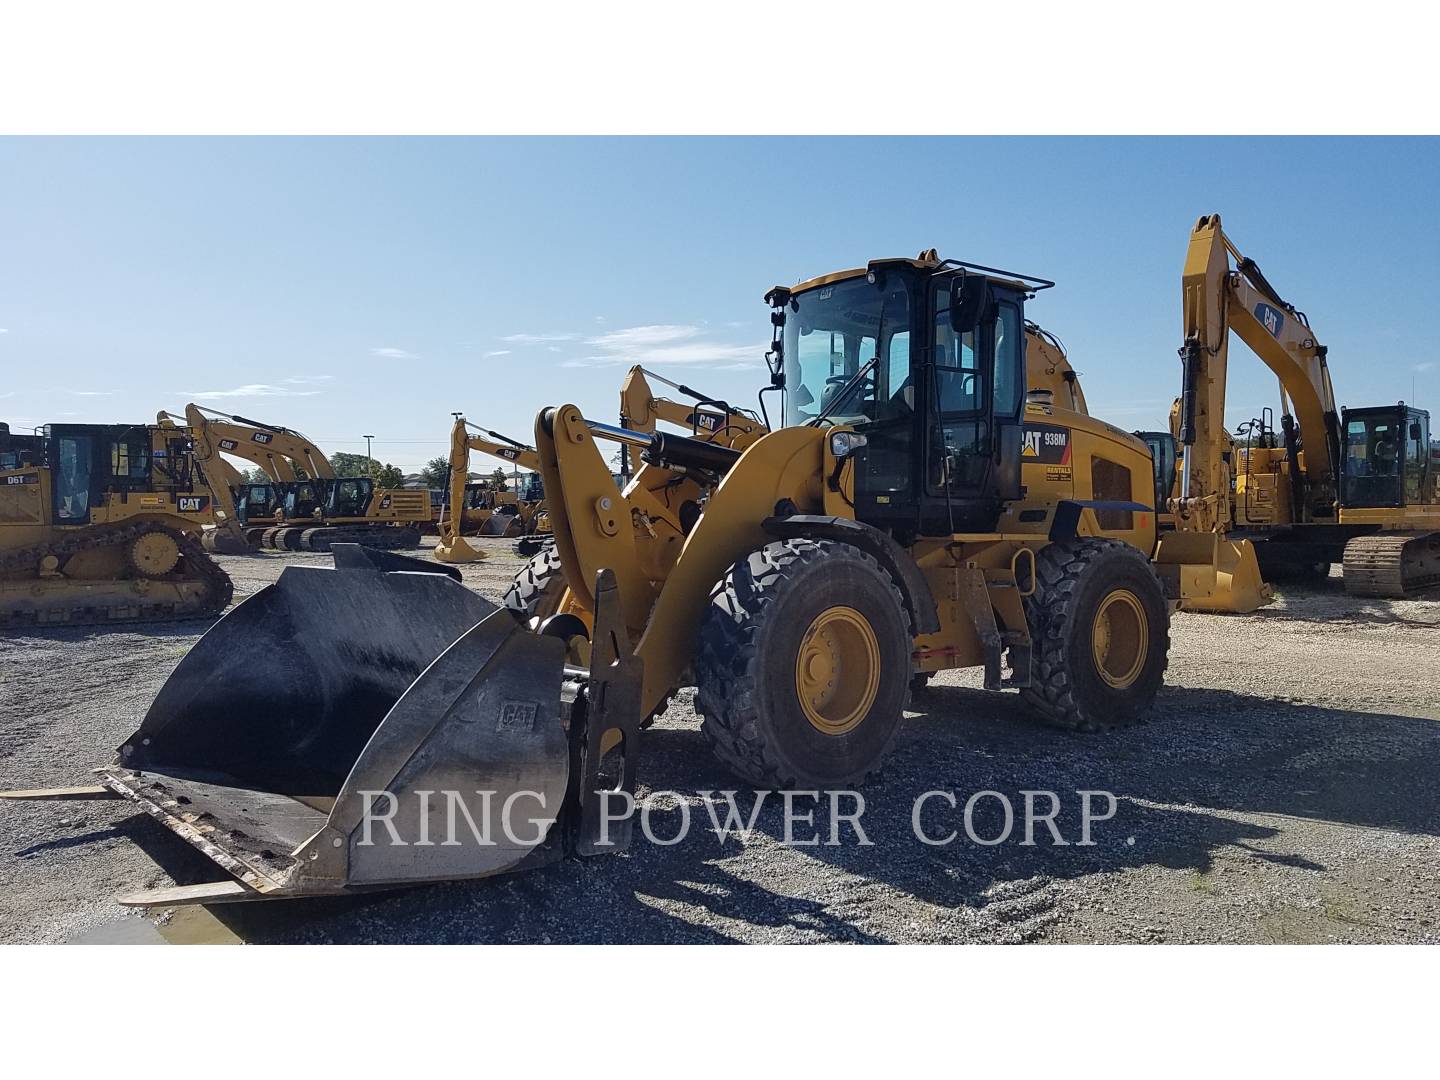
(844, 392)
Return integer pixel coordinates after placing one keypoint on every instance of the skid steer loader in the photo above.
(914, 512)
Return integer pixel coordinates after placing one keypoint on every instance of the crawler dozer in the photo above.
(102, 524)
(913, 511)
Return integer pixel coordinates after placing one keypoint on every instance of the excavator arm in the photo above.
(706, 418)
(1219, 299)
(465, 437)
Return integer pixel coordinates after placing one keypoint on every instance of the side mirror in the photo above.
(969, 300)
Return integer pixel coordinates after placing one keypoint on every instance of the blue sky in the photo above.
(376, 285)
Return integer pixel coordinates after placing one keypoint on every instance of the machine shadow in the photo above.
(1176, 782)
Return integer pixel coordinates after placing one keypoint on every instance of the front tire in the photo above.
(804, 665)
(1100, 630)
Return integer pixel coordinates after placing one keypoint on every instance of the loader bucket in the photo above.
(1207, 572)
(310, 743)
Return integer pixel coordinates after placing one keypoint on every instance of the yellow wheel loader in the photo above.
(102, 524)
(913, 512)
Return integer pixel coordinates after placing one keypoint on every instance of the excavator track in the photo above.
(320, 537)
(1392, 565)
(16, 568)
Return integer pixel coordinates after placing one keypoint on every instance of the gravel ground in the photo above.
(1285, 791)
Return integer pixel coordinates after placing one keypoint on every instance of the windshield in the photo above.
(831, 332)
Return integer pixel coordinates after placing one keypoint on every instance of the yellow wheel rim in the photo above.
(154, 554)
(1120, 638)
(837, 670)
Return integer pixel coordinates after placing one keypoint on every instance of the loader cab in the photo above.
(1387, 460)
(926, 363)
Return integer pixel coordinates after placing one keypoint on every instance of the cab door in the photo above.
(974, 398)
(75, 486)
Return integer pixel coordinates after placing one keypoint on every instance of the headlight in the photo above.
(844, 443)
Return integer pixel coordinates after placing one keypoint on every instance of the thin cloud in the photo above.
(1428, 365)
(4, 330)
(538, 339)
(87, 393)
(497, 352)
(308, 380)
(666, 343)
(9, 395)
(389, 352)
(253, 390)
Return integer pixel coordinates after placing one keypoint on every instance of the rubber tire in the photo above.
(1072, 578)
(535, 593)
(745, 666)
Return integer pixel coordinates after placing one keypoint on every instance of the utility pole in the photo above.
(369, 461)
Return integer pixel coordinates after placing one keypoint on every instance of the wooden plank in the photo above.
(87, 791)
(210, 892)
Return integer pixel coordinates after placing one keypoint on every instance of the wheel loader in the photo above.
(102, 524)
(914, 510)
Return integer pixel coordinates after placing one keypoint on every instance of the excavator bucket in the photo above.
(1207, 572)
(457, 549)
(373, 725)
(501, 524)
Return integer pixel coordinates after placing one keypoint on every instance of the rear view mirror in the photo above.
(969, 300)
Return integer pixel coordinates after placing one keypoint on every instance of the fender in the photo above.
(1068, 511)
(881, 546)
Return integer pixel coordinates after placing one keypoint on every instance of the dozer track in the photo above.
(321, 537)
(1392, 565)
(26, 600)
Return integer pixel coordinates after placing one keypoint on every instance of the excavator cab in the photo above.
(1387, 460)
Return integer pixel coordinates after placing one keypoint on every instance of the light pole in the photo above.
(369, 461)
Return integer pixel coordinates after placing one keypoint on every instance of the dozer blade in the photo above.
(369, 726)
(1207, 572)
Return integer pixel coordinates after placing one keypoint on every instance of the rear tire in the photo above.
(1100, 630)
(804, 665)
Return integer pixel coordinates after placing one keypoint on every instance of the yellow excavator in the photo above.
(1354, 486)
(914, 510)
(305, 507)
(101, 524)
(478, 509)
